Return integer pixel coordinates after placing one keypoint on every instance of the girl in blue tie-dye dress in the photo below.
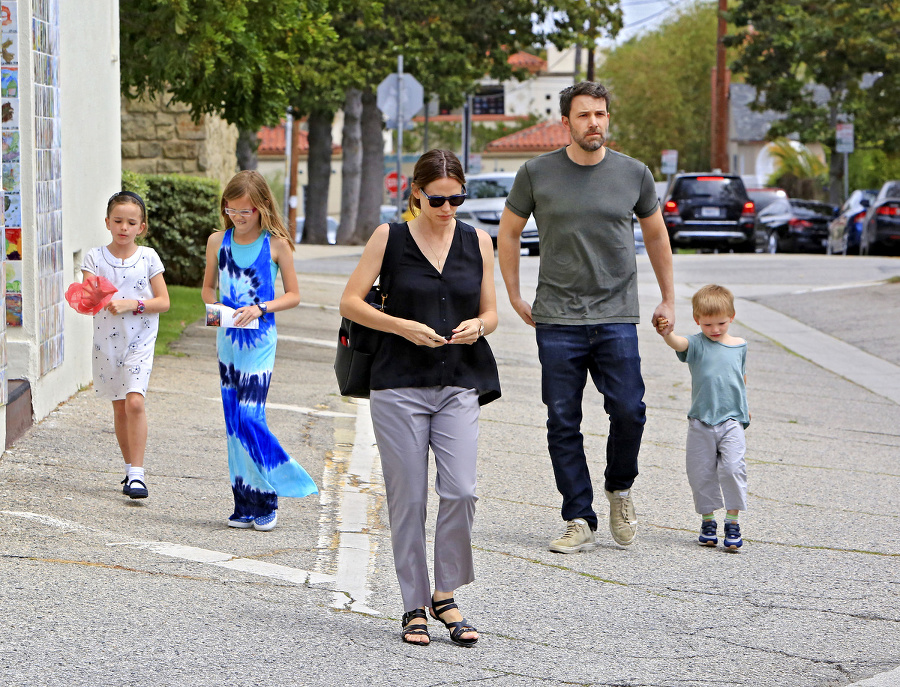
(243, 261)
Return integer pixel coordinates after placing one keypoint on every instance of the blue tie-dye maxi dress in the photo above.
(261, 470)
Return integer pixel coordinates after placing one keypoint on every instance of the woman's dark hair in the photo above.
(591, 88)
(122, 197)
(433, 165)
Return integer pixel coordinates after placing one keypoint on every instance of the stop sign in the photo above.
(390, 182)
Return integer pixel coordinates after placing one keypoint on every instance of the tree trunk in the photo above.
(318, 171)
(351, 143)
(371, 191)
(247, 145)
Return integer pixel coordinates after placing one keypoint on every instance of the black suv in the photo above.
(710, 211)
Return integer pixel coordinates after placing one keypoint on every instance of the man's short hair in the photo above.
(591, 88)
(712, 300)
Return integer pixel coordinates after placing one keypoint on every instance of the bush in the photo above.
(182, 212)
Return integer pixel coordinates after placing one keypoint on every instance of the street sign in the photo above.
(669, 161)
(410, 101)
(844, 138)
(390, 183)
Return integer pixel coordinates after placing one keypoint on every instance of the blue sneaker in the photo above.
(733, 539)
(266, 522)
(708, 533)
(242, 523)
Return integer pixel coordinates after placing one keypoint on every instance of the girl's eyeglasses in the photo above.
(438, 201)
(242, 213)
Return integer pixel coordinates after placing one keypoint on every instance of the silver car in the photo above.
(483, 207)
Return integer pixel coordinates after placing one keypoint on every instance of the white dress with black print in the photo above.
(123, 344)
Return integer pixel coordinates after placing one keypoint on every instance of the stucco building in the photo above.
(61, 162)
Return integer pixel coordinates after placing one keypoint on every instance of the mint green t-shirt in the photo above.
(718, 392)
(588, 272)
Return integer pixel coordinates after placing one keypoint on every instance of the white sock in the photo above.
(135, 473)
(127, 468)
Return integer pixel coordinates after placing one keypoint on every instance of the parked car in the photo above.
(881, 228)
(639, 247)
(484, 206)
(389, 214)
(845, 229)
(710, 211)
(330, 231)
(792, 225)
(763, 197)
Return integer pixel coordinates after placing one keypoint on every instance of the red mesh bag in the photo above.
(91, 296)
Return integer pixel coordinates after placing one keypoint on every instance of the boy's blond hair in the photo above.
(712, 300)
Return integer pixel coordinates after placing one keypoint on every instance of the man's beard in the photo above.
(589, 146)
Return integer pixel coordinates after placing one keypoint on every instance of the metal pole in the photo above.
(466, 132)
(399, 133)
(846, 175)
(288, 127)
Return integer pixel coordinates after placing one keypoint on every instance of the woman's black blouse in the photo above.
(442, 300)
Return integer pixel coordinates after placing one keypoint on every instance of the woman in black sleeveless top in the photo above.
(432, 373)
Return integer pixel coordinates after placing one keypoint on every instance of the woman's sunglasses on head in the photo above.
(438, 201)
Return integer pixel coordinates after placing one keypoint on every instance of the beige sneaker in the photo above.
(622, 518)
(578, 537)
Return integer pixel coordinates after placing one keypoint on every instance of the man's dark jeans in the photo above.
(610, 353)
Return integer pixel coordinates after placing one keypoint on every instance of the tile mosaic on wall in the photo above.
(48, 182)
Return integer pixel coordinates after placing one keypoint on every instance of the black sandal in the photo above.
(416, 629)
(458, 628)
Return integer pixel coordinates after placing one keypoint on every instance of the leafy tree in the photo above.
(847, 47)
(660, 90)
(448, 46)
(236, 58)
(799, 172)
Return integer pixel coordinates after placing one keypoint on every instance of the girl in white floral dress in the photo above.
(125, 330)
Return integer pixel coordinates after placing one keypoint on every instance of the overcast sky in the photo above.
(641, 15)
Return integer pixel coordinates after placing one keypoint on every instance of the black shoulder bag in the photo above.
(357, 345)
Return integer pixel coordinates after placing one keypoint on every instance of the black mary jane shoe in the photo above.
(124, 483)
(137, 489)
(416, 629)
(458, 628)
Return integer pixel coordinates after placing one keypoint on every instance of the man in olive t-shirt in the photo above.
(586, 308)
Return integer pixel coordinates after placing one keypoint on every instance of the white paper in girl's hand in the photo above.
(218, 315)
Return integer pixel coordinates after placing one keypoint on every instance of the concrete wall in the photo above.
(159, 137)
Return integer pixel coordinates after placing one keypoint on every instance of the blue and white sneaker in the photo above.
(708, 533)
(266, 522)
(733, 539)
(242, 523)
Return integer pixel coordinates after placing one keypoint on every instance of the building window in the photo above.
(488, 100)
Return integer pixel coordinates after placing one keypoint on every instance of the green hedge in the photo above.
(182, 212)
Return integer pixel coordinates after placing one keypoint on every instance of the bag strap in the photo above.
(392, 252)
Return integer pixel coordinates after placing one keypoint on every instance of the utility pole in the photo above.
(719, 148)
(294, 144)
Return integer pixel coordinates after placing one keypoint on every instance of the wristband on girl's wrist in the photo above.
(140, 308)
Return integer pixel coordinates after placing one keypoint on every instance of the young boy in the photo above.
(718, 414)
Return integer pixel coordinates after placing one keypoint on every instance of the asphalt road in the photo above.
(99, 590)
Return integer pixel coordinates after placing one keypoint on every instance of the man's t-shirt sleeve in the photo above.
(648, 201)
(520, 199)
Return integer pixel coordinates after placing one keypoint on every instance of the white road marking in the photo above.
(226, 560)
(351, 485)
(219, 559)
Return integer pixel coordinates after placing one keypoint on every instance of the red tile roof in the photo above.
(541, 137)
(525, 60)
(271, 141)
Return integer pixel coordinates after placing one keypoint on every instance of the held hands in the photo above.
(661, 325)
(664, 319)
(422, 335)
